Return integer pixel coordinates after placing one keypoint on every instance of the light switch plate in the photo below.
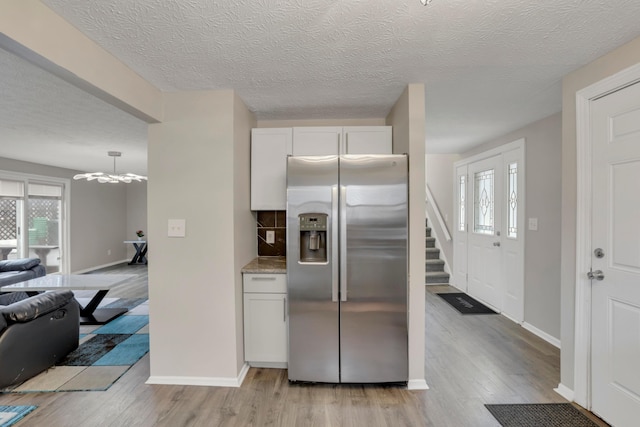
(271, 237)
(177, 228)
(533, 224)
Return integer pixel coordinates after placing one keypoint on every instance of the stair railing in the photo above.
(436, 209)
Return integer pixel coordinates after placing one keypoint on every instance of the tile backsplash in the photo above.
(276, 221)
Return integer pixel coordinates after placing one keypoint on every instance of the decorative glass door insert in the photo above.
(483, 203)
(512, 197)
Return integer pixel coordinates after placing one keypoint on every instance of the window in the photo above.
(32, 220)
(512, 197)
(44, 214)
(483, 202)
(11, 208)
(462, 191)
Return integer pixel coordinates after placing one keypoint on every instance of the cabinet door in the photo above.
(269, 150)
(316, 141)
(265, 328)
(367, 140)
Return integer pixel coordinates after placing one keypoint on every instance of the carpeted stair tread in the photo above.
(432, 253)
(432, 277)
(434, 265)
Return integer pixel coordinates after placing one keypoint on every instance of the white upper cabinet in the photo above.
(269, 150)
(271, 146)
(325, 141)
(316, 141)
(367, 140)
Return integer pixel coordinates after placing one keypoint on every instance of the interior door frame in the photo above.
(582, 337)
(520, 145)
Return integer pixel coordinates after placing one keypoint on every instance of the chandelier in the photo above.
(113, 178)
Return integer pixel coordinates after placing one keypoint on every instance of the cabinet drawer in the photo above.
(265, 283)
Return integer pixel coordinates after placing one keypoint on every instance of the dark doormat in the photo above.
(539, 415)
(465, 304)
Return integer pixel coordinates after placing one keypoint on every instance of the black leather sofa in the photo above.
(18, 270)
(36, 333)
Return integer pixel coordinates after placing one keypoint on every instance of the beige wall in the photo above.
(97, 216)
(408, 120)
(245, 247)
(194, 281)
(605, 66)
(543, 154)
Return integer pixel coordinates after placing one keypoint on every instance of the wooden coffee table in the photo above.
(89, 314)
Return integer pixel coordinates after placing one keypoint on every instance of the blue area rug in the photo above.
(123, 325)
(103, 356)
(127, 352)
(9, 415)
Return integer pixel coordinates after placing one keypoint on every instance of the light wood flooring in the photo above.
(470, 360)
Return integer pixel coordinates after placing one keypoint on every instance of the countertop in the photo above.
(266, 264)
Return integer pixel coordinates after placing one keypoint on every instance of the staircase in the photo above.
(434, 265)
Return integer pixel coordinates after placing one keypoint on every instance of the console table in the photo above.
(140, 256)
(89, 314)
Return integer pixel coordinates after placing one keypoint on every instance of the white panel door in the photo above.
(461, 183)
(484, 237)
(615, 347)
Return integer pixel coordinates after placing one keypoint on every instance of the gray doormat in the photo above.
(540, 414)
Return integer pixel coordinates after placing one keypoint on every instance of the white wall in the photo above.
(408, 120)
(605, 66)
(98, 216)
(440, 182)
(543, 157)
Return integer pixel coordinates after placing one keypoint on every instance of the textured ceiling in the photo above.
(489, 66)
(43, 119)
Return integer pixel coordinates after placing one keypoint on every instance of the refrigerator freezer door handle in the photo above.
(343, 243)
(335, 279)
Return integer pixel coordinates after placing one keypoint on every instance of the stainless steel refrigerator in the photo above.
(347, 243)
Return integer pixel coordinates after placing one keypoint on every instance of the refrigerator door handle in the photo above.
(343, 243)
(335, 279)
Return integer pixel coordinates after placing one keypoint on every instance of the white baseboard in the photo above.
(276, 365)
(545, 336)
(98, 267)
(565, 392)
(201, 381)
(417, 385)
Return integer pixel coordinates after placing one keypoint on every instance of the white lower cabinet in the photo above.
(265, 320)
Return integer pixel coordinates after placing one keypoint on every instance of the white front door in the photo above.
(513, 235)
(484, 237)
(615, 345)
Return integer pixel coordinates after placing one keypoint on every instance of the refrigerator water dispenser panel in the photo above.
(313, 238)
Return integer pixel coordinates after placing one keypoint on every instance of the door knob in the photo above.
(496, 243)
(598, 275)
